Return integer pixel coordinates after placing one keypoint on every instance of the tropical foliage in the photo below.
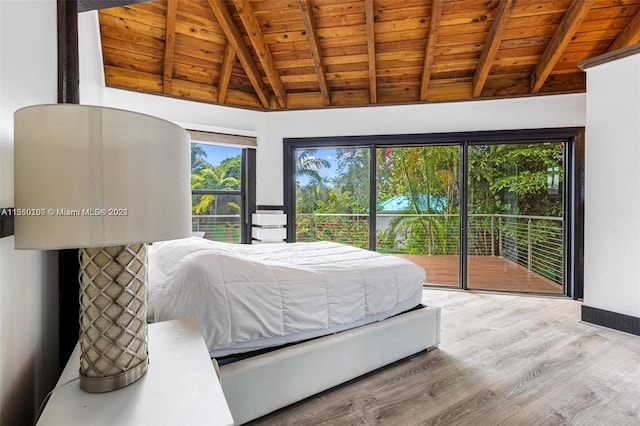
(504, 179)
(214, 212)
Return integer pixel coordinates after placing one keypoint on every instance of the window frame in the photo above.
(574, 211)
(247, 191)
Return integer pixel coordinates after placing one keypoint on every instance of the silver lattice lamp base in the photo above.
(113, 316)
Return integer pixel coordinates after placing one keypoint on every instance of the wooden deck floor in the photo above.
(484, 272)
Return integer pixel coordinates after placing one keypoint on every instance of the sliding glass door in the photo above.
(515, 205)
(417, 208)
(478, 211)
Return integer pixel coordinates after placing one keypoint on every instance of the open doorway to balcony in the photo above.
(487, 211)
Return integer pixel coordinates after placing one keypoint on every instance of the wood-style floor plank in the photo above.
(503, 360)
(484, 273)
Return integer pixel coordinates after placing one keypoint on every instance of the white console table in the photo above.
(180, 388)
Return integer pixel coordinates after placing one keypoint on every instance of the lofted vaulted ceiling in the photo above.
(291, 54)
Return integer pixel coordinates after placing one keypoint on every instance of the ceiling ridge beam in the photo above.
(371, 50)
(429, 51)
(316, 52)
(231, 31)
(561, 38)
(228, 61)
(503, 13)
(629, 35)
(169, 45)
(261, 48)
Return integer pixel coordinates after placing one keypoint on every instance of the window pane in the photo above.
(215, 167)
(418, 213)
(332, 195)
(515, 229)
(218, 216)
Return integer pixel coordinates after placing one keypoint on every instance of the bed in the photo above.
(312, 315)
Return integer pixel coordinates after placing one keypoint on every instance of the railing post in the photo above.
(530, 245)
(430, 238)
(500, 236)
(493, 244)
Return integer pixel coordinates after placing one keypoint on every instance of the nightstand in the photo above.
(180, 388)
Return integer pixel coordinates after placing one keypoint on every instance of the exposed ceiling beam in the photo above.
(314, 47)
(169, 45)
(225, 73)
(561, 38)
(630, 35)
(262, 50)
(87, 5)
(429, 52)
(231, 31)
(503, 13)
(371, 50)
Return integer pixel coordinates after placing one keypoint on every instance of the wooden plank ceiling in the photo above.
(291, 54)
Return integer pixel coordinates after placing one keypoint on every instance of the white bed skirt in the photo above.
(262, 384)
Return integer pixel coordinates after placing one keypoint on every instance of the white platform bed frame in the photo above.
(264, 383)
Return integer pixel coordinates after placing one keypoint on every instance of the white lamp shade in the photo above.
(88, 176)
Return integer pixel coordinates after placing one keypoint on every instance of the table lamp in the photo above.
(106, 181)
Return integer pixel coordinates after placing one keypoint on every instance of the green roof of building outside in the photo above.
(403, 203)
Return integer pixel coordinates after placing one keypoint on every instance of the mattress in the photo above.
(251, 297)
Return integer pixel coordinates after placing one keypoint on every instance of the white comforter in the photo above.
(248, 297)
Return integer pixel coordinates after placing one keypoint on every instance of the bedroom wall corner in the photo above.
(28, 279)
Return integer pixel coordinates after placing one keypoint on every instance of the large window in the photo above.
(491, 210)
(219, 192)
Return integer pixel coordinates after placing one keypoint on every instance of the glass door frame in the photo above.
(567, 202)
(573, 183)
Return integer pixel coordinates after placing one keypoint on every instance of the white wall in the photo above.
(612, 179)
(193, 115)
(28, 279)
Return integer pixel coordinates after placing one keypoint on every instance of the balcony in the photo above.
(505, 252)
(223, 228)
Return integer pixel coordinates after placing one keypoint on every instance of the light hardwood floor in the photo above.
(503, 360)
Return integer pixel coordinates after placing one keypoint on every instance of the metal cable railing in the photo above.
(224, 228)
(534, 242)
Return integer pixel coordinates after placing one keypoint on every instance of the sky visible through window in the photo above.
(325, 172)
(217, 153)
